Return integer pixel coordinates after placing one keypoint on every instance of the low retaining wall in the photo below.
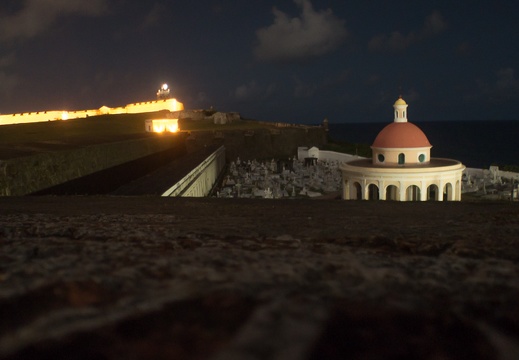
(200, 181)
(25, 175)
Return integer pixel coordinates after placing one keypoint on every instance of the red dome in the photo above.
(401, 135)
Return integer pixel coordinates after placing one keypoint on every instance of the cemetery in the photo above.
(274, 179)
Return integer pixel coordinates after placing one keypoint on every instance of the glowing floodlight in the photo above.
(64, 115)
(162, 125)
(158, 128)
(164, 86)
(172, 127)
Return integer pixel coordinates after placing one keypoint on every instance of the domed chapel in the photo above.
(402, 168)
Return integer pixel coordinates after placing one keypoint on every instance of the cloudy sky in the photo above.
(287, 60)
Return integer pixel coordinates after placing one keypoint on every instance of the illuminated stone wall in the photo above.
(52, 115)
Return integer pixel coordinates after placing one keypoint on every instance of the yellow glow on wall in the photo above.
(50, 115)
(162, 125)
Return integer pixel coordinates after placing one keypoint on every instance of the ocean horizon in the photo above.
(477, 144)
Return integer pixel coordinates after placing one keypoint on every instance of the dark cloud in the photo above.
(464, 49)
(253, 91)
(7, 60)
(311, 34)
(30, 19)
(506, 79)
(36, 16)
(505, 87)
(246, 91)
(154, 16)
(305, 90)
(434, 24)
(8, 81)
(502, 88)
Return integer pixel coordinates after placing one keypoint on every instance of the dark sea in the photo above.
(477, 144)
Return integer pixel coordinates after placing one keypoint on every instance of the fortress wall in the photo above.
(25, 175)
(31, 117)
(192, 115)
(52, 115)
(152, 106)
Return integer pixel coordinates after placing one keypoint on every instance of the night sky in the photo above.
(295, 61)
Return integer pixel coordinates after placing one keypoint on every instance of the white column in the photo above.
(401, 192)
(423, 192)
(346, 190)
(381, 190)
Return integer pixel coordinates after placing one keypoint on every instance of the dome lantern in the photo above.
(400, 107)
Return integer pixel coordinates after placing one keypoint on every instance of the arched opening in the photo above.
(447, 192)
(391, 192)
(357, 191)
(432, 193)
(373, 192)
(401, 159)
(413, 193)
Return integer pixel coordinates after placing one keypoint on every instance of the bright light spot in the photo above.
(172, 127)
(164, 86)
(64, 115)
(163, 125)
(158, 128)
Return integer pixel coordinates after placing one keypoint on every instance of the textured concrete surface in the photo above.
(176, 278)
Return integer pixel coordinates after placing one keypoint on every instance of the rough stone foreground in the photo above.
(177, 278)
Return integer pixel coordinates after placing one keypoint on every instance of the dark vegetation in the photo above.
(512, 168)
(208, 125)
(110, 179)
(105, 128)
(348, 148)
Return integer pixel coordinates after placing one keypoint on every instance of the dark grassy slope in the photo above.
(109, 180)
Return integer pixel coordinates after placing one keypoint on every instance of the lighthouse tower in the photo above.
(163, 92)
